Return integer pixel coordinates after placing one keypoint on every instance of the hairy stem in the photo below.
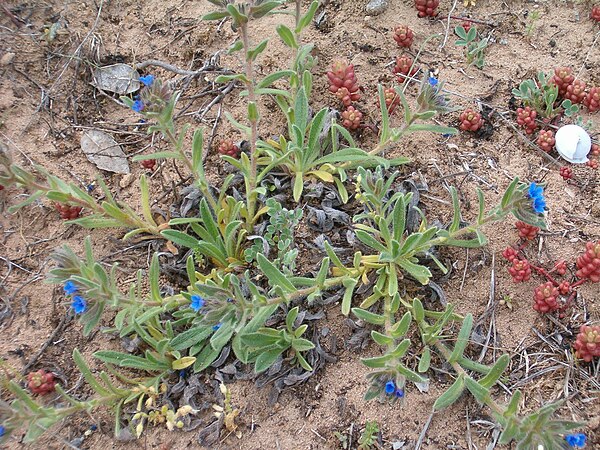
(251, 181)
(200, 178)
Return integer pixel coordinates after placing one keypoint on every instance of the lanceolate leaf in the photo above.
(451, 395)
(481, 393)
(274, 275)
(368, 316)
(425, 360)
(496, 372)
(131, 361)
(190, 337)
(463, 338)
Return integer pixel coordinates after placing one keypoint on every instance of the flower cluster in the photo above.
(351, 118)
(392, 389)
(197, 302)
(229, 148)
(574, 90)
(392, 100)
(566, 173)
(153, 97)
(404, 36)
(520, 270)
(536, 194)
(576, 440)
(404, 68)
(78, 303)
(68, 212)
(526, 118)
(470, 120)
(344, 85)
(149, 164)
(427, 8)
(562, 78)
(546, 140)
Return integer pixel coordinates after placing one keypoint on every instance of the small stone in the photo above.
(127, 180)
(6, 59)
(376, 7)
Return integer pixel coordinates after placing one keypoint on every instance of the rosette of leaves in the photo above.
(392, 253)
(305, 152)
(236, 307)
(220, 240)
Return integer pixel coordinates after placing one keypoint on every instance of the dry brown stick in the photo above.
(207, 67)
(424, 431)
(10, 15)
(530, 143)
(490, 307)
(443, 44)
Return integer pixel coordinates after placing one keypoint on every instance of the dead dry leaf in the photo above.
(101, 149)
(118, 78)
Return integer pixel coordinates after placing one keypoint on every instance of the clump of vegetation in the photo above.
(474, 48)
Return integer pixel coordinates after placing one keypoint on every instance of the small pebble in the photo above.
(127, 180)
(6, 59)
(376, 7)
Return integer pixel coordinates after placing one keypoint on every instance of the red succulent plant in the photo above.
(470, 120)
(587, 343)
(41, 382)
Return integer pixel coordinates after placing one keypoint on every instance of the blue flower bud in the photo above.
(390, 387)
(79, 304)
(147, 80)
(69, 288)
(197, 302)
(576, 440)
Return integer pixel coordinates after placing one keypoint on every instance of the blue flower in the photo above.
(217, 326)
(2, 430)
(197, 303)
(433, 81)
(94, 427)
(69, 288)
(536, 194)
(576, 440)
(400, 393)
(138, 106)
(147, 80)
(390, 387)
(78, 304)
